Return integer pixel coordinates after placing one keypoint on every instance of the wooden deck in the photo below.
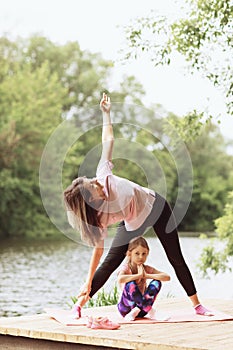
(39, 332)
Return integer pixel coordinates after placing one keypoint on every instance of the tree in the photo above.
(29, 111)
(213, 178)
(203, 37)
(217, 259)
(211, 168)
(41, 85)
(82, 73)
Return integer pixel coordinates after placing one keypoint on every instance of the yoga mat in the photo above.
(66, 317)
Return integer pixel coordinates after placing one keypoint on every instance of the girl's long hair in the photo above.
(84, 216)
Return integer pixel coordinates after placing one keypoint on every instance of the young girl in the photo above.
(94, 204)
(137, 298)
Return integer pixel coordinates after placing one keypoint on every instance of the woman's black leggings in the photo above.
(163, 222)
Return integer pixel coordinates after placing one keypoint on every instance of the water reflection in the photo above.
(38, 274)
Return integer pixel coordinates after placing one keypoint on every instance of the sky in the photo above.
(98, 27)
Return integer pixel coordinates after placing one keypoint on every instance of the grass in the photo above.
(102, 299)
(105, 299)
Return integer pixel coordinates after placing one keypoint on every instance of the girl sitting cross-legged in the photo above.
(137, 298)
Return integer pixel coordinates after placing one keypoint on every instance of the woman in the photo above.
(94, 204)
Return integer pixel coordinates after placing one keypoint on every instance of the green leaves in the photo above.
(203, 36)
(224, 224)
(148, 35)
(41, 83)
(212, 257)
(188, 127)
(104, 299)
(101, 299)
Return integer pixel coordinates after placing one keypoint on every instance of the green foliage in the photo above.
(105, 299)
(212, 258)
(224, 224)
(102, 298)
(212, 170)
(30, 109)
(40, 83)
(206, 28)
(212, 167)
(188, 128)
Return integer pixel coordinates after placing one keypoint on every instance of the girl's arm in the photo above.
(124, 278)
(107, 130)
(158, 275)
(95, 259)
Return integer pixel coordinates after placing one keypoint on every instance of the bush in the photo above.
(217, 260)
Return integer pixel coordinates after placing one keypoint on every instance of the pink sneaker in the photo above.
(103, 323)
(89, 321)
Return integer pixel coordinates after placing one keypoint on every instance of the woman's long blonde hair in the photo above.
(85, 217)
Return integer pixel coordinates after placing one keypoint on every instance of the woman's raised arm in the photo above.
(107, 130)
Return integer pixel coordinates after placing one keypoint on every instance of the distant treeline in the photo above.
(41, 82)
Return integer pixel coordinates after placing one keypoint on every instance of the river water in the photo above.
(38, 274)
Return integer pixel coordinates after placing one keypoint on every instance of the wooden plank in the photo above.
(162, 336)
(11, 343)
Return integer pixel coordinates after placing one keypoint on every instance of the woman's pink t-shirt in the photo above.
(125, 200)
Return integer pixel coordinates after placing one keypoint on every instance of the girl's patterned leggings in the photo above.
(132, 297)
